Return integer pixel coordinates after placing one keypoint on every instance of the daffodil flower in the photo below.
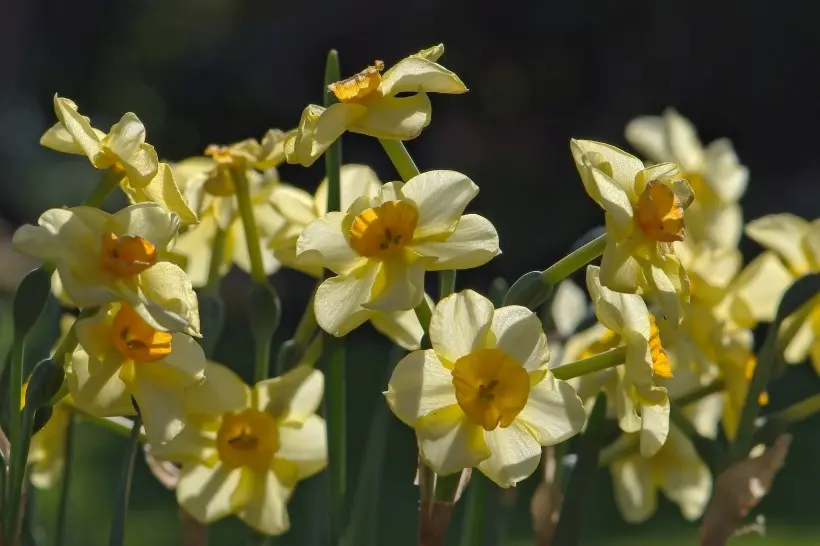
(120, 356)
(244, 449)
(369, 105)
(483, 396)
(381, 246)
(105, 258)
(204, 186)
(635, 395)
(797, 242)
(714, 172)
(122, 150)
(299, 209)
(644, 216)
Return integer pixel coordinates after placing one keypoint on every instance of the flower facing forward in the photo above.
(644, 216)
(381, 246)
(120, 356)
(123, 151)
(104, 258)
(244, 449)
(368, 104)
(635, 396)
(299, 208)
(714, 172)
(483, 396)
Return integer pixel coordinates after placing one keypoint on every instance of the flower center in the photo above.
(660, 360)
(491, 387)
(659, 213)
(383, 231)
(359, 86)
(248, 438)
(126, 256)
(137, 341)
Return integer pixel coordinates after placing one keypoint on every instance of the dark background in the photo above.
(539, 73)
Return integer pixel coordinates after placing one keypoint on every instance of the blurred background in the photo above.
(217, 71)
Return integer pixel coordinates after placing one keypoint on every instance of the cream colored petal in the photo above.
(319, 128)
(725, 175)
(554, 412)
(142, 167)
(211, 493)
(784, 234)
(186, 359)
(150, 221)
(266, 510)
(440, 198)
(654, 428)
(324, 243)
(66, 236)
(569, 307)
(515, 455)
(79, 127)
(394, 118)
(96, 387)
(161, 406)
(339, 301)
(58, 139)
(193, 445)
(305, 446)
(721, 226)
(390, 191)
(460, 324)
(125, 137)
(635, 495)
(222, 391)
(668, 288)
(800, 347)
(169, 299)
(420, 384)
(757, 290)
(399, 287)
(689, 483)
(519, 333)
(88, 292)
(415, 75)
(293, 397)
(163, 190)
(473, 243)
(402, 328)
(684, 143)
(196, 245)
(449, 442)
(617, 311)
(580, 342)
(619, 165)
(355, 181)
(295, 204)
(616, 204)
(241, 258)
(648, 135)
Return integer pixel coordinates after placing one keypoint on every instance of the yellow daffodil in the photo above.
(368, 104)
(483, 396)
(219, 214)
(299, 209)
(122, 150)
(381, 246)
(644, 215)
(120, 356)
(244, 449)
(797, 242)
(635, 396)
(104, 258)
(46, 454)
(714, 172)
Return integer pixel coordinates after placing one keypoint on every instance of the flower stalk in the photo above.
(607, 359)
(574, 261)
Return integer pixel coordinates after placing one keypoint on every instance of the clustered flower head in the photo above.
(486, 386)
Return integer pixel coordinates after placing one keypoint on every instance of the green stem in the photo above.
(62, 510)
(110, 180)
(446, 283)
(691, 397)
(424, 313)
(400, 158)
(447, 487)
(607, 359)
(798, 411)
(262, 360)
(574, 261)
(243, 199)
(19, 450)
(124, 486)
(217, 259)
(314, 351)
(475, 516)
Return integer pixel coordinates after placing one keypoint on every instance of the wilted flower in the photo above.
(368, 104)
(483, 396)
(381, 246)
(244, 449)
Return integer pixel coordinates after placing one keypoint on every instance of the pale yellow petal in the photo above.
(163, 190)
(515, 455)
(420, 384)
(266, 509)
(440, 198)
(222, 391)
(473, 243)
(401, 327)
(684, 144)
(324, 243)
(58, 138)
(295, 204)
(319, 128)
(293, 397)
(654, 427)
(79, 127)
(519, 333)
(635, 494)
(399, 287)
(757, 290)
(784, 234)
(415, 74)
(569, 307)
(304, 445)
(394, 118)
(727, 178)
(554, 412)
(355, 181)
(169, 298)
(95, 385)
(460, 324)
(648, 135)
(449, 442)
(339, 301)
(150, 221)
(211, 493)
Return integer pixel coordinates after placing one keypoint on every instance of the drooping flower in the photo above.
(381, 246)
(299, 209)
(483, 396)
(120, 356)
(123, 151)
(104, 258)
(644, 215)
(244, 449)
(714, 172)
(368, 104)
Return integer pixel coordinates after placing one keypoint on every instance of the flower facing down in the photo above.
(368, 104)
(381, 246)
(644, 217)
(483, 396)
(120, 356)
(299, 209)
(123, 151)
(714, 172)
(105, 258)
(244, 449)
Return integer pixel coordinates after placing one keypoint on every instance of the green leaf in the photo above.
(30, 299)
(529, 290)
(117, 537)
(44, 383)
